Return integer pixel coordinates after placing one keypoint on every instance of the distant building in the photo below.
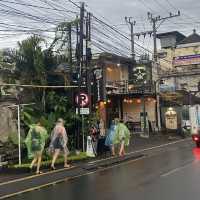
(179, 58)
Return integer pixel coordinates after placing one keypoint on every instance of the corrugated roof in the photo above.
(175, 33)
(193, 38)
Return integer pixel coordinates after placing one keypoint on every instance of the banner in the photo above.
(99, 85)
(186, 60)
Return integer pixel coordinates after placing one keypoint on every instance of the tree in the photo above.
(30, 60)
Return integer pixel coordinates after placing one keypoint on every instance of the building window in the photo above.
(162, 55)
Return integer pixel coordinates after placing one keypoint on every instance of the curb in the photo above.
(111, 161)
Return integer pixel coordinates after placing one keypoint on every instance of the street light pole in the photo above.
(18, 131)
(19, 127)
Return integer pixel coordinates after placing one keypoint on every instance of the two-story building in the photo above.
(125, 92)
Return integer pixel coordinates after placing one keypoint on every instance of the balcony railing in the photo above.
(126, 87)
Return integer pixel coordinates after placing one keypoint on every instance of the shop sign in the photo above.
(167, 88)
(186, 60)
(98, 73)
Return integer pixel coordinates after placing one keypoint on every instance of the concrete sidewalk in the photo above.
(136, 143)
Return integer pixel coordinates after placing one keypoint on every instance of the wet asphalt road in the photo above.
(169, 173)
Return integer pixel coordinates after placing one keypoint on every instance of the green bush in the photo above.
(47, 162)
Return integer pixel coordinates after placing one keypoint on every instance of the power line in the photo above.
(40, 86)
(41, 7)
(146, 6)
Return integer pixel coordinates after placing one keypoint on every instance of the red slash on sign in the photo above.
(84, 100)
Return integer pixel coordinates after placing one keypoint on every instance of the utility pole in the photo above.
(82, 12)
(81, 35)
(154, 21)
(70, 47)
(78, 64)
(88, 58)
(79, 56)
(132, 24)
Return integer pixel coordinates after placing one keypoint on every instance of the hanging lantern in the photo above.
(148, 99)
(138, 100)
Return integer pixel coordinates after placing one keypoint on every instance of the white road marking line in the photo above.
(65, 179)
(142, 150)
(176, 169)
(36, 175)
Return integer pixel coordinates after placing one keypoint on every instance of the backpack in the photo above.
(35, 140)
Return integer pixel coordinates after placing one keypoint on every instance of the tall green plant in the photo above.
(30, 60)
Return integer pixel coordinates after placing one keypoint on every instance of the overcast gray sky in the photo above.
(111, 11)
(115, 10)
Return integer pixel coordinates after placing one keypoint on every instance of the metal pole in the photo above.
(154, 40)
(81, 38)
(132, 23)
(132, 42)
(144, 113)
(88, 57)
(70, 47)
(19, 133)
(158, 116)
(19, 126)
(158, 111)
(83, 132)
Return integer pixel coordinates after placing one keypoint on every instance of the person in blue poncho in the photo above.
(110, 137)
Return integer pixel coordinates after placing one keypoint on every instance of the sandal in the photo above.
(53, 168)
(30, 169)
(39, 172)
(67, 166)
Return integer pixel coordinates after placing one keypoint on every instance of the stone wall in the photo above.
(8, 126)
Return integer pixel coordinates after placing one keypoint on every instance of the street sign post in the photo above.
(82, 100)
(83, 111)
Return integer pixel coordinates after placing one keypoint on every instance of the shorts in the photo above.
(57, 144)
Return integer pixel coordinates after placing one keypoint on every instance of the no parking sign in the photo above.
(82, 99)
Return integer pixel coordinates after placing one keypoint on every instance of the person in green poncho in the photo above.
(35, 143)
(122, 137)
